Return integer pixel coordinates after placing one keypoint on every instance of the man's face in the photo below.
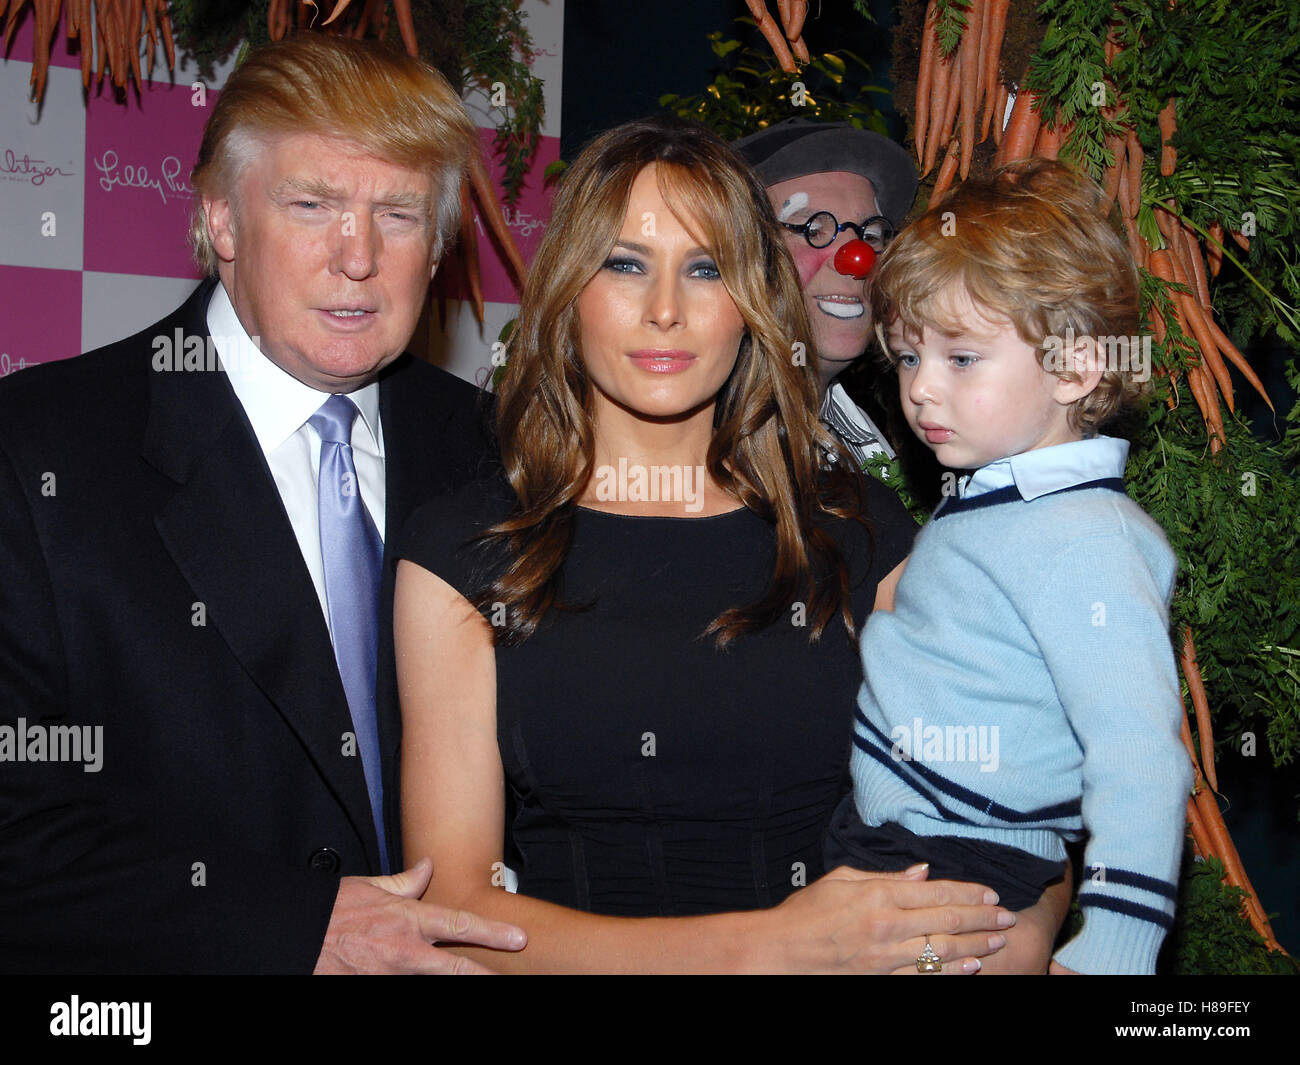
(837, 306)
(327, 254)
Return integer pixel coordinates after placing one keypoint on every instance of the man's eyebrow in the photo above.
(316, 189)
(321, 190)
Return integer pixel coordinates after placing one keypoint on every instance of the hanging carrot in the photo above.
(923, 79)
(1022, 129)
(1200, 703)
(946, 172)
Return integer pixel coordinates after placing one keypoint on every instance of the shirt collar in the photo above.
(1049, 469)
(277, 403)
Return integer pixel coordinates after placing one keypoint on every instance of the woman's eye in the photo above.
(623, 266)
(707, 270)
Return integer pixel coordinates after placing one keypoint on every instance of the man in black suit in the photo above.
(198, 717)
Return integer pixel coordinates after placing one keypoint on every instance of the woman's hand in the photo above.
(851, 921)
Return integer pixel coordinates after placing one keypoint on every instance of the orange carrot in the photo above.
(1200, 703)
(996, 17)
(406, 24)
(1227, 853)
(798, 14)
(1048, 144)
(948, 120)
(970, 84)
(1209, 350)
(490, 212)
(924, 77)
(1192, 255)
(941, 73)
(1228, 348)
(946, 172)
(1185, 735)
(1243, 242)
(1021, 131)
(758, 8)
(1214, 248)
(1136, 160)
(1168, 127)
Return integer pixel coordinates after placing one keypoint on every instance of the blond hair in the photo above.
(396, 108)
(1033, 244)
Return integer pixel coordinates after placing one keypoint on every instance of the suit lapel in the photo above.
(226, 529)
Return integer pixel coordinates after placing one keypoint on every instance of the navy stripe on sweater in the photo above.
(1129, 909)
(954, 505)
(1129, 879)
(973, 799)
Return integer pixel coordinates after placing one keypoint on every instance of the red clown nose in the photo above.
(855, 259)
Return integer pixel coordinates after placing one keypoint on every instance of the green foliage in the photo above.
(753, 92)
(1232, 519)
(1212, 935)
(1235, 71)
(498, 48)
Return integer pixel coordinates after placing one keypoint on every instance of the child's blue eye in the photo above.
(963, 362)
(908, 359)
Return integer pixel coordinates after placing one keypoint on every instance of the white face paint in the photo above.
(837, 307)
(796, 203)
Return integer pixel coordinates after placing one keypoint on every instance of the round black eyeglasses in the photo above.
(822, 229)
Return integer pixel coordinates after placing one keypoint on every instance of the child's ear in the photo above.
(1085, 363)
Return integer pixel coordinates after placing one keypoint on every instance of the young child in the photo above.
(1022, 691)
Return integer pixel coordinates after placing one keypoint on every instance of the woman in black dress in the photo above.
(643, 628)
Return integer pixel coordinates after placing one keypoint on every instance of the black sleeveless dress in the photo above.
(652, 774)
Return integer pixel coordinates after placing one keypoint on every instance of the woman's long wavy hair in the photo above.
(768, 445)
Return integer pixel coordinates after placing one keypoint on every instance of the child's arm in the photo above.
(885, 589)
(1104, 633)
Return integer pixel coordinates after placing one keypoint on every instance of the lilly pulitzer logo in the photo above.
(7, 366)
(168, 182)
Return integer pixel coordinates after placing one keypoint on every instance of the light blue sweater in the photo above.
(1024, 690)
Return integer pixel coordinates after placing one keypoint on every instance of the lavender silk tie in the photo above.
(353, 556)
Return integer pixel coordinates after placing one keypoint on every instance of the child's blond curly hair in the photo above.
(1033, 244)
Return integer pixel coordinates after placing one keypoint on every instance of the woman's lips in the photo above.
(655, 361)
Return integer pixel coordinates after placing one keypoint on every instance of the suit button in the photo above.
(324, 860)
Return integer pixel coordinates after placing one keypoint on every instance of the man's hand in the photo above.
(379, 925)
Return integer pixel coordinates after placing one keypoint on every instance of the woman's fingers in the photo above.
(958, 955)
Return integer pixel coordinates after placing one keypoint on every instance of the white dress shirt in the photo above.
(278, 406)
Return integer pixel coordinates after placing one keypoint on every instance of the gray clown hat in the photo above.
(800, 146)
